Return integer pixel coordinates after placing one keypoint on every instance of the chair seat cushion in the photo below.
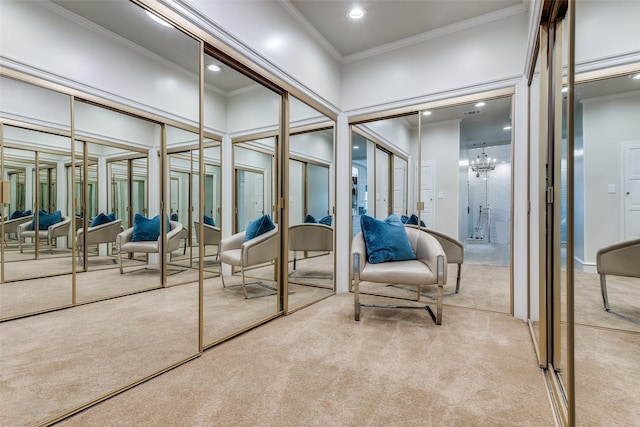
(385, 242)
(411, 272)
(231, 257)
(259, 226)
(150, 246)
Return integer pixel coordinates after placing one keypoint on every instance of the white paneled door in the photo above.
(631, 190)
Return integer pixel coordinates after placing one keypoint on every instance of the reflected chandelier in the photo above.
(483, 163)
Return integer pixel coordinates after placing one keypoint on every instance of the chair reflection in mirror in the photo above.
(310, 237)
(453, 249)
(237, 250)
(103, 233)
(620, 259)
(132, 241)
(51, 226)
(211, 234)
(426, 265)
(11, 228)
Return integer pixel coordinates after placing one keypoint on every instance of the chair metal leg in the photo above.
(120, 261)
(458, 278)
(222, 275)
(356, 298)
(603, 289)
(244, 286)
(439, 304)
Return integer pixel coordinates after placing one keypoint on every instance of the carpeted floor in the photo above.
(318, 367)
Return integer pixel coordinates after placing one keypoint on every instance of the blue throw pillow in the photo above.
(309, 219)
(47, 220)
(174, 217)
(327, 220)
(259, 226)
(413, 220)
(112, 216)
(385, 242)
(16, 214)
(102, 219)
(145, 229)
(404, 219)
(393, 220)
(209, 221)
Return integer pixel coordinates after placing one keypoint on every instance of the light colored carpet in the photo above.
(56, 361)
(607, 369)
(318, 367)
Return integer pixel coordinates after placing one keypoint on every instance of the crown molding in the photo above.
(286, 5)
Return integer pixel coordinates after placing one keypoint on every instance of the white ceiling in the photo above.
(392, 22)
(387, 23)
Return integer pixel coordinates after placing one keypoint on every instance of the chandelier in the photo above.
(483, 163)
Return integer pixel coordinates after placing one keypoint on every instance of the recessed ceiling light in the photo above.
(481, 104)
(636, 77)
(213, 67)
(426, 113)
(158, 19)
(356, 13)
(507, 128)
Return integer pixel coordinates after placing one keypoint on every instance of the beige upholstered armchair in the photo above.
(236, 252)
(620, 259)
(453, 249)
(11, 226)
(60, 229)
(430, 268)
(125, 245)
(211, 235)
(310, 237)
(104, 233)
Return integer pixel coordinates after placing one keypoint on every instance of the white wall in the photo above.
(264, 29)
(606, 29)
(41, 37)
(475, 56)
(607, 121)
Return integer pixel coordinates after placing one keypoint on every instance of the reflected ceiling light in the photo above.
(213, 67)
(507, 128)
(158, 19)
(356, 13)
(426, 113)
(463, 163)
(565, 89)
(355, 147)
(636, 77)
(481, 104)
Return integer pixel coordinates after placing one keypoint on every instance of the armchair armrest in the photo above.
(124, 237)
(173, 236)
(359, 253)
(429, 251)
(262, 248)
(59, 229)
(23, 227)
(232, 242)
